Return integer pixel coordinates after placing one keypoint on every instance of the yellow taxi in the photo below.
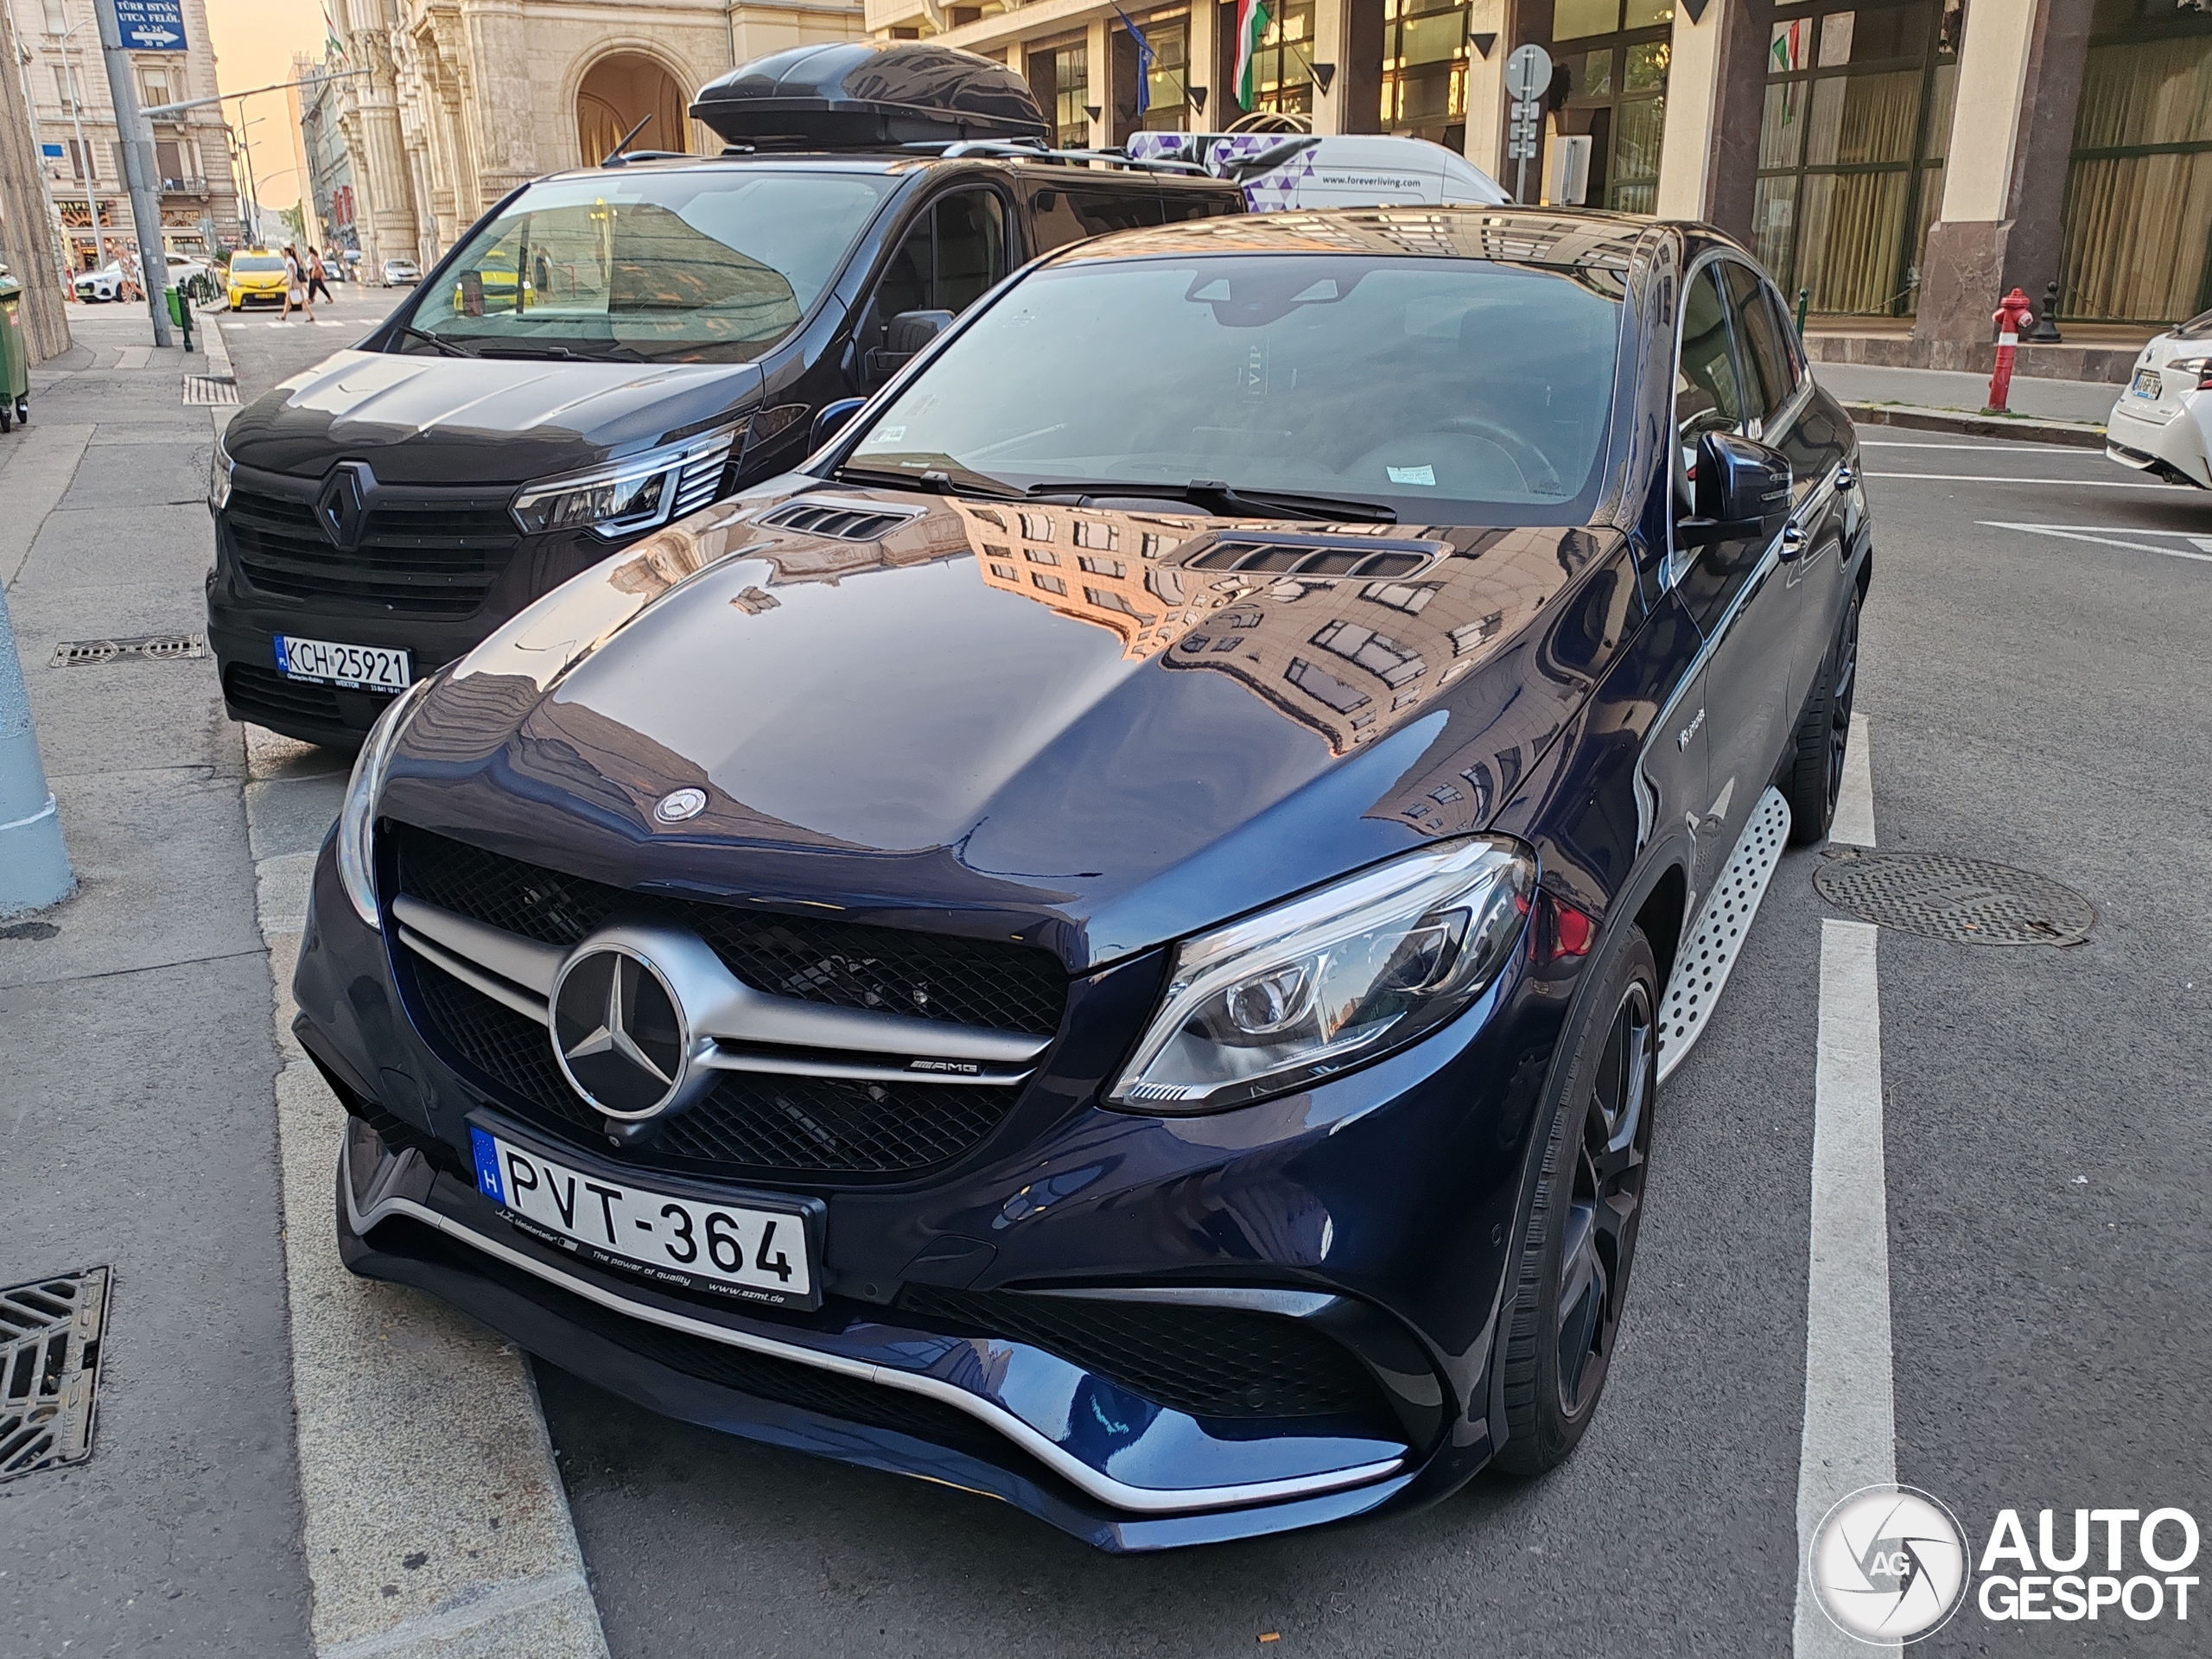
(257, 277)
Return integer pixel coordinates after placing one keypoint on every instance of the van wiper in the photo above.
(935, 481)
(434, 341)
(566, 354)
(1228, 501)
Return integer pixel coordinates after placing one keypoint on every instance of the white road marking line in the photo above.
(1850, 1434)
(2104, 541)
(2104, 530)
(1854, 823)
(2013, 448)
(2063, 483)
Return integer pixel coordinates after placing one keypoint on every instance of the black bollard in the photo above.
(2045, 332)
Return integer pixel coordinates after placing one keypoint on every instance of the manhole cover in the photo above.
(1968, 900)
(160, 647)
(49, 1368)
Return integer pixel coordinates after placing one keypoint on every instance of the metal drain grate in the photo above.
(210, 390)
(50, 1371)
(1968, 900)
(159, 647)
(1709, 956)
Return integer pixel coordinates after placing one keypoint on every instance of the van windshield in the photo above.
(697, 266)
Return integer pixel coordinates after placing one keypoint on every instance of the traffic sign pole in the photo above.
(1528, 77)
(137, 146)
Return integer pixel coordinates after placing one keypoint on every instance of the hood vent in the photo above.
(1316, 555)
(843, 521)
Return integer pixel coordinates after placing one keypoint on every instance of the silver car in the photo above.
(2163, 423)
(401, 273)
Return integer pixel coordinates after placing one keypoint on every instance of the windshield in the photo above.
(257, 262)
(1448, 391)
(706, 266)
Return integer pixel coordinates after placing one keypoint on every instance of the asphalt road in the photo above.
(2030, 697)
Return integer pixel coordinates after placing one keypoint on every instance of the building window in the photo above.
(65, 87)
(1467, 639)
(153, 88)
(57, 17)
(1096, 533)
(1037, 526)
(1049, 584)
(1039, 556)
(1165, 582)
(1425, 69)
(1318, 683)
(1615, 55)
(2139, 190)
(1004, 573)
(1107, 599)
(1282, 67)
(1852, 136)
(1168, 83)
(1060, 76)
(1099, 567)
(1399, 595)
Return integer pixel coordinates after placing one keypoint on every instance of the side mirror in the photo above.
(1741, 492)
(910, 331)
(831, 421)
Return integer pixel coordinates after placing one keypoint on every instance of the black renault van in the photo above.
(610, 349)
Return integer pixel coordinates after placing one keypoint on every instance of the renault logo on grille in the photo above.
(620, 1031)
(342, 506)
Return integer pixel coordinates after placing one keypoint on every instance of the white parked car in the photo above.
(401, 273)
(102, 285)
(2163, 423)
(184, 269)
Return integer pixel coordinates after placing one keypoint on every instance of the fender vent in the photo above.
(1301, 556)
(49, 1368)
(841, 521)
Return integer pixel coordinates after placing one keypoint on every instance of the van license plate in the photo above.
(367, 668)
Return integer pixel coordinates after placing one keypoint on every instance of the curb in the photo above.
(2027, 428)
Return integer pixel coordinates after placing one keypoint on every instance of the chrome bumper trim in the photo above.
(1135, 1500)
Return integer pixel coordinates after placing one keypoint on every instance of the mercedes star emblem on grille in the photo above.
(620, 1032)
(680, 803)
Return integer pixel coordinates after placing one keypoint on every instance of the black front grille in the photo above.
(752, 1123)
(1208, 1362)
(419, 555)
(257, 691)
(1003, 986)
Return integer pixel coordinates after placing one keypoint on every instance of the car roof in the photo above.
(892, 163)
(1588, 241)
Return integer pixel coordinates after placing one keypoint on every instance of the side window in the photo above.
(1793, 348)
(1707, 396)
(953, 253)
(1766, 362)
(970, 247)
(1065, 215)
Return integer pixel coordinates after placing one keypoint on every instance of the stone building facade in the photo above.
(465, 99)
(68, 84)
(1902, 162)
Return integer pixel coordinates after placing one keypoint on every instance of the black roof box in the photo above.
(865, 94)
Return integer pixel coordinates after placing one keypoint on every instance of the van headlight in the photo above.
(219, 476)
(357, 868)
(637, 493)
(1331, 980)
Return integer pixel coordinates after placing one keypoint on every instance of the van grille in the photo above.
(421, 555)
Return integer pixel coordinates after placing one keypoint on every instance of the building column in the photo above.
(1486, 100)
(382, 163)
(1359, 68)
(506, 128)
(1329, 33)
(1716, 92)
(2005, 172)
(1205, 69)
(1099, 73)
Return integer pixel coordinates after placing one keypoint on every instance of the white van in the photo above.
(1305, 170)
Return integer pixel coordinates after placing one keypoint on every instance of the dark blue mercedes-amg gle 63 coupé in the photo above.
(1112, 941)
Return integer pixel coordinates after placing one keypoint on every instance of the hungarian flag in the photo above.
(1251, 24)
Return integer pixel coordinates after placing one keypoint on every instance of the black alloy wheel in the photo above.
(1579, 1228)
(1813, 775)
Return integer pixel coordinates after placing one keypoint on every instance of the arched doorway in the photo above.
(617, 93)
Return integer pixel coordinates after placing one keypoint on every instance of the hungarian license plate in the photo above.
(747, 1253)
(370, 668)
(2148, 383)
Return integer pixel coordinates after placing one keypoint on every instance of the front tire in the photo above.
(1579, 1220)
(1814, 775)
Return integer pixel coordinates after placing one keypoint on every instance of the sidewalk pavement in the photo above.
(287, 1459)
(2052, 411)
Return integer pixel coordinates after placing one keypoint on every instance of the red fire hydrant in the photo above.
(2011, 316)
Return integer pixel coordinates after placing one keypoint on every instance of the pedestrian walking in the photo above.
(295, 286)
(318, 275)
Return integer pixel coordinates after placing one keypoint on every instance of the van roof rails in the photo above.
(1037, 150)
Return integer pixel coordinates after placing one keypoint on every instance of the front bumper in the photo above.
(1377, 1206)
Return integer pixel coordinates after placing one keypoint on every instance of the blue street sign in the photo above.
(151, 25)
(52, 152)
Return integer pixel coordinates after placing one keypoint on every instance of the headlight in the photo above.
(624, 497)
(219, 476)
(1332, 980)
(357, 819)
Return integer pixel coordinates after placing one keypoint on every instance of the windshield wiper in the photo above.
(1228, 501)
(566, 354)
(434, 341)
(935, 481)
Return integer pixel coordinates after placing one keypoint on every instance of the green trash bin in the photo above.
(180, 313)
(14, 355)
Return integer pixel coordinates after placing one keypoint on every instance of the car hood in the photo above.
(1081, 727)
(439, 420)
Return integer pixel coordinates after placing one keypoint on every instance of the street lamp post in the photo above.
(84, 156)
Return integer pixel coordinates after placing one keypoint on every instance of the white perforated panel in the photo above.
(1710, 953)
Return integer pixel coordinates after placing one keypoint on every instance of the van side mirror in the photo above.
(831, 421)
(1741, 492)
(910, 331)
